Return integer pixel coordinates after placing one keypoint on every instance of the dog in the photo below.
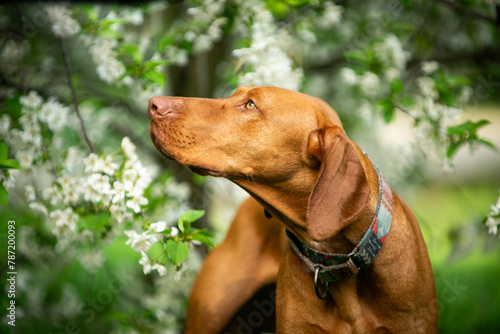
(345, 251)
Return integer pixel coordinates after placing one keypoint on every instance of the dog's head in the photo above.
(267, 138)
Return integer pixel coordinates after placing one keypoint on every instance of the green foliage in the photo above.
(466, 133)
(6, 163)
(176, 248)
(177, 251)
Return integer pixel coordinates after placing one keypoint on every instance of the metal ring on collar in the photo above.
(316, 289)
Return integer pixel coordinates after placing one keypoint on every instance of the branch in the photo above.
(469, 12)
(479, 56)
(73, 95)
(22, 23)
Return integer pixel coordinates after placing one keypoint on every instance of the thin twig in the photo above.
(467, 11)
(70, 85)
(22, 23)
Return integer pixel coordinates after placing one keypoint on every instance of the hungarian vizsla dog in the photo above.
(352, 259)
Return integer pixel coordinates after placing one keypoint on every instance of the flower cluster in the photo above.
(208, 25)
(63, 24)
(27, 141)
(266, 60)
(104, 55)
(493, 218)
(432, 118)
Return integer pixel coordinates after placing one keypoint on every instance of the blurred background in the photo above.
(416, 84)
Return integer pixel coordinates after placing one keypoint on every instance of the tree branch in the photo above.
(467, 11)
(22, 23)
(73, 95)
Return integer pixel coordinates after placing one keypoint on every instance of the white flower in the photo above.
(71, 195)
(180, 191)
(119, 190)
(266, 60)
(120, 213)
(369, 84)
(29, 192)
(495, 210)
(32, 100)
(54, 114)
(53, 195)
(63, 24)
(5, 123)
(348, 76)
(429, 67)
(391, 74)
(104, 55)
(145, 262)
(158, 227)
(108, 166)
(111, 71)
(390, 53)
(331, 16)
(73, 161)
(162, 271)
(91, 260)
(202, 43)
(136, 202)
(177, 56)
(427, 87)
(65, 222)
(25, 159)
(100, 183)
(174, 232)
(132, 15)
(128, 148)
(31, 136)
(492, 225)
(93, 163)
(38, 208)
(140, 242)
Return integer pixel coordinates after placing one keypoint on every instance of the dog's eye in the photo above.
(250, 105)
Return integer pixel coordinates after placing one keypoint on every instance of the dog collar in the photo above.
(333, 267)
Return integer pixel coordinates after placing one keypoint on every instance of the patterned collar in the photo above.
(333, 267)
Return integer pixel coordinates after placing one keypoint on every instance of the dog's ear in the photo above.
(341, 190)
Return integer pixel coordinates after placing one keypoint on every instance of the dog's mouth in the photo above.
(204, 171)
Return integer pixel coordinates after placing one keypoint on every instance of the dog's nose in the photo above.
(159, 106)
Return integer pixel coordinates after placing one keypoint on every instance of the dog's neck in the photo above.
(290, 207)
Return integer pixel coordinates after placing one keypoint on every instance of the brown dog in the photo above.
(290, 152)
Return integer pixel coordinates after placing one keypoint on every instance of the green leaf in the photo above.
(10, 163)
(387, 109)
(164, 41)
(133, 51)
(204, 237)
(468, 126)
(154, 63)
(396, 86)
(90, 11)
(4, 196)
(356, 55)
(189, 217)
(109, 22)
(155, 77)
(3, 151)
(95, 222)
(106, 32)
(487, 143)
(452, 149)
(177, 251)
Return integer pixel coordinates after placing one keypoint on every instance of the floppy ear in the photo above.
(341, 190)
